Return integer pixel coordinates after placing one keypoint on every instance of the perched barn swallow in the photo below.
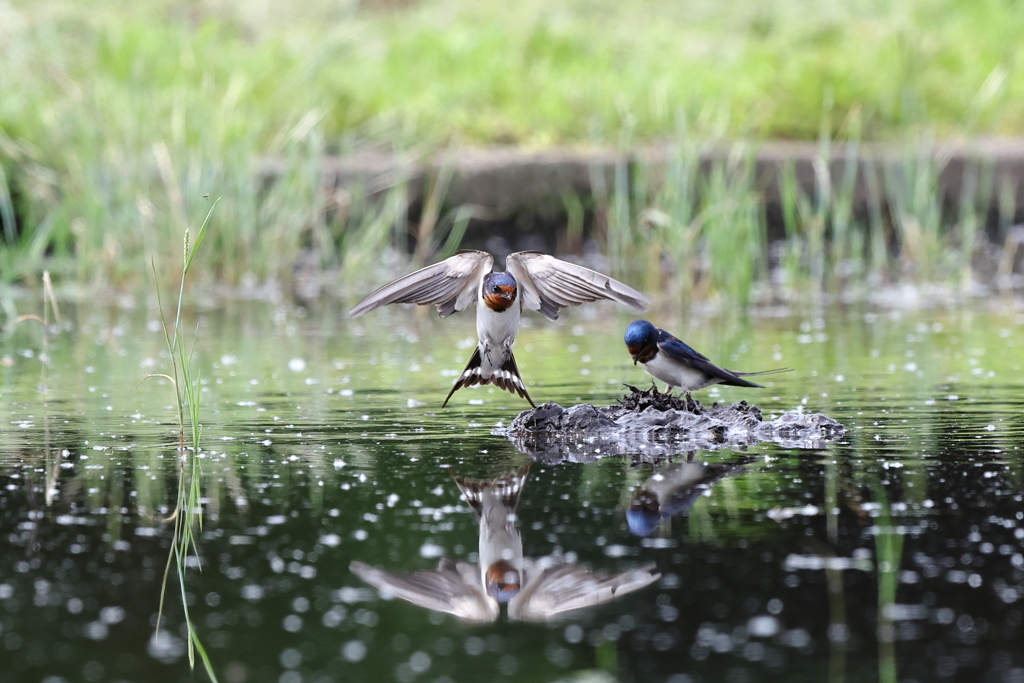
(535, 590)
(671, 491)
(673, 362)
(532, 280)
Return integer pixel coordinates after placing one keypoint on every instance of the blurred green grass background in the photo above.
(532, 72)
(116, 116)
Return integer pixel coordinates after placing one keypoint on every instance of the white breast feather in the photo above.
(495, 331)
(678, 375)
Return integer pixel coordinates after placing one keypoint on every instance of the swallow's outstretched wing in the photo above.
(453, 588)
(451, 285)
(556, 589)
(680, 351)
(547, 284)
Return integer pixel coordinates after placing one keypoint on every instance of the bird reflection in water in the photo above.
(672, 490)
(534, 589)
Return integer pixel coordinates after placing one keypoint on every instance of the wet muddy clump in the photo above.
(642, 399)
(649, 423)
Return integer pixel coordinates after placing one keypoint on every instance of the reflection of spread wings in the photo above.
(547, 284)
(563, 587)
(451, 285)
(453, 588)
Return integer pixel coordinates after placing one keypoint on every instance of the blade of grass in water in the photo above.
(889, 552)
(187, 515)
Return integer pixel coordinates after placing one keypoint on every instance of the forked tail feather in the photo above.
(508, 487)
(763, 372)
(506, 377)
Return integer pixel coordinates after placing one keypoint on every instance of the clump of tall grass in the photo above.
(695, 221)
(187, 515)
(700, 233)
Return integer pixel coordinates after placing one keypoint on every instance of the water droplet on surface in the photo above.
(165, 647)
(291, 658)
(353, 651)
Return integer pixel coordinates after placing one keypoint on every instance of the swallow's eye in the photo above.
(496, 289)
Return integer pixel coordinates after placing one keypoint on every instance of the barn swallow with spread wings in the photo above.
(532, 280)
(535, 590)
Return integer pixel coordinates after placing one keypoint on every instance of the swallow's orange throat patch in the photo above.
(643, 354)
(503, 574)
(500, 302)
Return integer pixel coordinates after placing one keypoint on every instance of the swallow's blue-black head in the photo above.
(499, 291)
(643, 514)
(502, 581)
(642, 341)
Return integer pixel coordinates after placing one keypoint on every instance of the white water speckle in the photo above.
(353, 651)
(165, 647)
(331, 540)
(431, 550)
(762, 626)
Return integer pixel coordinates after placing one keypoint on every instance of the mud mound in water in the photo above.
(647, 423)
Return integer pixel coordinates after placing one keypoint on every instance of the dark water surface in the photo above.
(895, 554)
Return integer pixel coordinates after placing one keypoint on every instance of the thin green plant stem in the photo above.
(7, 221)
(889, 553)
(186, 516)
(968, 222)
(189, 255)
